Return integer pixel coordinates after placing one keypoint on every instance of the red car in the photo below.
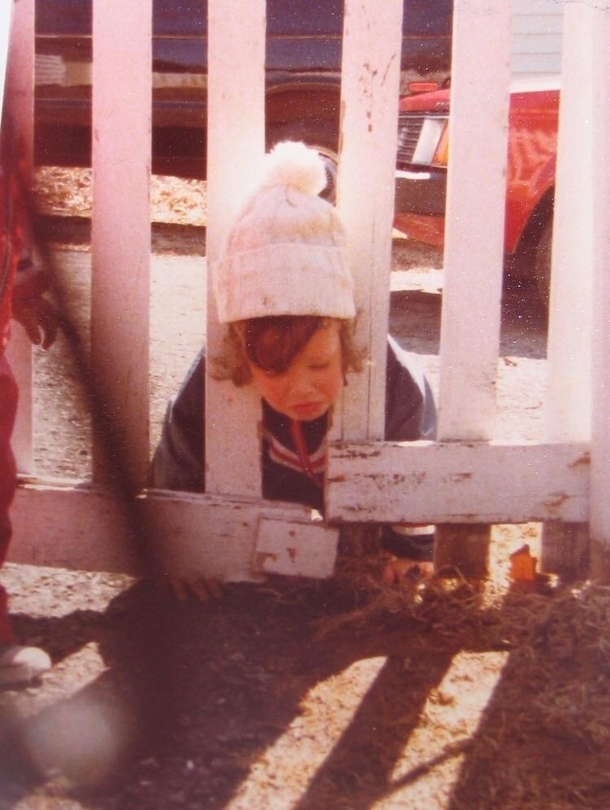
(421, 175)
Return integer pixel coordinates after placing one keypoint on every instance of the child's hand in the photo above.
(202, 588)
(400, 571)
(38, 316)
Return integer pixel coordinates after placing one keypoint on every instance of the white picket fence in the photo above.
(460, 482)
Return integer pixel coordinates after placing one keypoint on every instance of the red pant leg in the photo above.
(8, 479)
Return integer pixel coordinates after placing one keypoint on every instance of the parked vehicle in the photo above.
(303, 75)
(421, 176)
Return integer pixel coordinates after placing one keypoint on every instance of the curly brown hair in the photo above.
(273, 342)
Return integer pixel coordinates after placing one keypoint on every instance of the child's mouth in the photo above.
(306, 409)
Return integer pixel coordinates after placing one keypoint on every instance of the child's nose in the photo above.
(301, 382)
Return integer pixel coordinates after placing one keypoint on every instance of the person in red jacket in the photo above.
(22, 286)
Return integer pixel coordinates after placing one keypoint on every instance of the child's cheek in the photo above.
(335, 387)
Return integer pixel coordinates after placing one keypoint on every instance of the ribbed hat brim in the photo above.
(284, 279)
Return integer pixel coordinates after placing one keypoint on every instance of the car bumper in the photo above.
(421, 192)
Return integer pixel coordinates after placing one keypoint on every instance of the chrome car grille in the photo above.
(409, 129)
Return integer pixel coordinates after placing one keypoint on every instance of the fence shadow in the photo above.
(310, 695)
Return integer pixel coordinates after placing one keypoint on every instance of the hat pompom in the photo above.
(294, 164)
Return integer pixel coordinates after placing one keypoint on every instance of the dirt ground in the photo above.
(345, 693)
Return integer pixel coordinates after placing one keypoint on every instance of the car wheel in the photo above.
(318, 138)
(542, 264)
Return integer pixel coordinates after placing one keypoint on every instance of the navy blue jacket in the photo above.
(179, 460)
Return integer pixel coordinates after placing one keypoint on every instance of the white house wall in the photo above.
(536, 31)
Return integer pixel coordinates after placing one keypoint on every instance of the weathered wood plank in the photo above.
(369, 101)
(474, 236)
(89, 528)
(18, 28)
(474, 226)
(298, 547)
(71, 526)
(120, 230)
(198, 535)
(568, 407)
(568, 411)
(483, 482)
(235, 149)
(600, 441)
(234, 540)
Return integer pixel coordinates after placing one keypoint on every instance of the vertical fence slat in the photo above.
(370, 87)
(568, 396)
(474, 242)
(20, 76)
(122, 86)
(236, 144)
(600, 439)
(474, 230)
(20, 97)
(568, 411)
(6, 15)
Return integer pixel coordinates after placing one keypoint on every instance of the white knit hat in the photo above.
(285, 254)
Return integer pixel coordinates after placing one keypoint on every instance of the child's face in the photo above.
(312, 382)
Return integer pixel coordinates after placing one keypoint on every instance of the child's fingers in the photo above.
(205, 588)
(399, 570)
(388, 576)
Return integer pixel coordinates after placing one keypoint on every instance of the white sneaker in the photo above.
(22, 664)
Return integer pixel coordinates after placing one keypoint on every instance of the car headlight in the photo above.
(441, 153)
(423, 140)
(433, 144)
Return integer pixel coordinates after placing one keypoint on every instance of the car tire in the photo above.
(319, 137)
(542, 264)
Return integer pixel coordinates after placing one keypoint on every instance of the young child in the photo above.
(284, 289)
(21, 288)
